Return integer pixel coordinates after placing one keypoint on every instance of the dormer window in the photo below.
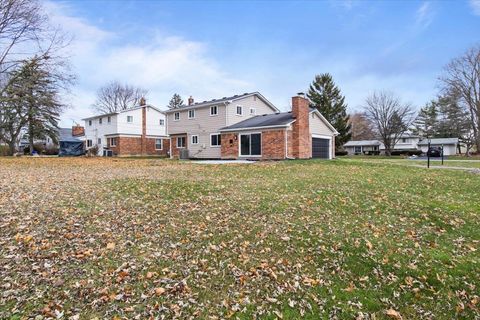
(239, 110)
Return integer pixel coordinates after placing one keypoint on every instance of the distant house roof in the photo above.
(223, 100)
(438, 141)
(126, 110)
(279, 119)
(64, 133)
(359, 143)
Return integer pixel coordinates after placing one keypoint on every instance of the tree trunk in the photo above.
(30, 136)
(11, 147)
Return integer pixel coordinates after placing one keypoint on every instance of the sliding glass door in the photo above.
(251, 144)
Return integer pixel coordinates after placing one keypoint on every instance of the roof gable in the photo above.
(224, 100)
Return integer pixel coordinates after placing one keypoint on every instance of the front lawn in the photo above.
(134, 238)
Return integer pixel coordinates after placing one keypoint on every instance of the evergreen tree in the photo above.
(427, 123)
(326, 97)
(175, 102)
(35, 90)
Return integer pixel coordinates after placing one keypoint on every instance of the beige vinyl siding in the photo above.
(246, 103)
(202, 126)
(317, 126)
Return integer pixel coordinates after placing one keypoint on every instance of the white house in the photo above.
(140, 130)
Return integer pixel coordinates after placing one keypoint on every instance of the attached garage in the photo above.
(320, 148)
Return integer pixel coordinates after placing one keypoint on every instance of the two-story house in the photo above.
(140, 130)
(248, 126)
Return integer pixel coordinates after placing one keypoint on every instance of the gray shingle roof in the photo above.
(266, 120)
(362, 143)
(438, 141)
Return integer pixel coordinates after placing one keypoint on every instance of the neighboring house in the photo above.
(248, 126)
(140, 130)
(362, 147)
(407, 142)
(450, 145)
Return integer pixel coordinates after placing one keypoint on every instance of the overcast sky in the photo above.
(214, 49)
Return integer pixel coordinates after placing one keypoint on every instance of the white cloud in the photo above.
(165, 65)
(475, 4)
(424, 15)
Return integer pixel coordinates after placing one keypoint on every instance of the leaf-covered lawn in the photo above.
(126, 238)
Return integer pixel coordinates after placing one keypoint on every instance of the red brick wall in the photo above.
(175, 151)
(229, 146)
(133, 146)
(290, 143)
(273, 145)
(302, 140)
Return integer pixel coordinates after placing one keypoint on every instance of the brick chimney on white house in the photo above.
(143, 139)
(302, 140)
(190, 101)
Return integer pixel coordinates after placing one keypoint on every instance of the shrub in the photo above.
(93, 151)
(51, 150)
(406, 152)
(4, 150)
(341, 153)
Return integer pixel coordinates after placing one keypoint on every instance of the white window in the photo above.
(191, 114)
(99, 141)
(89, 143)
(176, 116)
(158, 144)
(215, 140)
(100, 120)
(162, 122)
(181, 142)
(239, 110)
(109, 119)
(113, 142)
(194, 139)
(213, 110)
(89, 123)
(358, 149)
(129, 118)
(253, 111)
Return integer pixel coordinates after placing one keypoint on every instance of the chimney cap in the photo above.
(301, 94)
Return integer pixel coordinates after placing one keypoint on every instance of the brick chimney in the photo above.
(78, 130)
(143, 101)
(302, 140)
(190, 101)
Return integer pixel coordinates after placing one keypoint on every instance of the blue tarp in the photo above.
(71, 147)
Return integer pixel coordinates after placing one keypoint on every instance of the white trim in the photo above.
(324, 136)
(160, 122)
(191, 139)
(176, 138)
(240, 145)
(254, 113)
(241, 111)
(216, 108)
(128, 118)
(194, 113)
(161, 143)
(174, 116)
(215, 134)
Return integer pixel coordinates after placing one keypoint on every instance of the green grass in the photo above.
(300, 239)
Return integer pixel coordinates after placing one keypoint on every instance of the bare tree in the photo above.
(362, 127)
(115, 97)
(390, 117)
(462, 78)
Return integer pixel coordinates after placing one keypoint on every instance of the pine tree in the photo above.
(35, 90)
(427, 123)
(175, 102)
(326, 97)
